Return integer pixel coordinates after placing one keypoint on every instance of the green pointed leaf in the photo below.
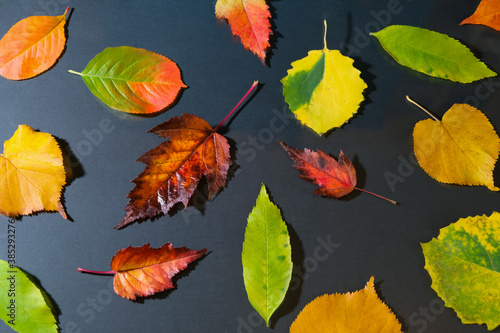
(133, 80)
(464, 264)
(266, 257)
(324, 89)
(432, 53)
(31, 312)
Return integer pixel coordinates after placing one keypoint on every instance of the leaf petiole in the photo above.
(377, 195)
(422, 108)
(96, 272)
(74, 72)
(255, 83)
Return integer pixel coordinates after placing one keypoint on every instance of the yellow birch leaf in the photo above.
(360, 311)
(324, 89)
(32, 173)
(461, 149)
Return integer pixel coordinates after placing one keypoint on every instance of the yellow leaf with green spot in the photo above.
(464, 264)
(324, 89)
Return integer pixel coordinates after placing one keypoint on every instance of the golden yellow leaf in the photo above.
(461, 149)
(361, 312)
(32, 174)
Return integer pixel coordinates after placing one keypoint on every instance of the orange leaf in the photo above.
(174, 168)
(487, 13)
(144, 271)
(32, 173)
(249, 20)
(32, 46)
(360, 311)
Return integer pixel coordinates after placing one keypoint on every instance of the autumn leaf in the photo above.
(249, 20)
(133, 80)
(432, 53)
(335, 179)
(461, 149)
(266, 257)
(487, 13)
(464, 264)
(25, 306)
(32, 173)
(175, 167)
(323, 90)
(144, 271)
(32, 46)
(360, 311)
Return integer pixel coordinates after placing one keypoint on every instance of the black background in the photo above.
(373, 237)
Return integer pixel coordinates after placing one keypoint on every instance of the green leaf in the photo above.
(133, 80)
(432, 53)
(31, 311)
(266, 257)
(464, 264)
(324, 89)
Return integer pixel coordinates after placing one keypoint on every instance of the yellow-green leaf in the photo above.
(24, 306)
(361, 311)
(461, 149)
(323, 90)
(266, 257)
(464, 264)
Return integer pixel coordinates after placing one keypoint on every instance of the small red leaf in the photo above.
(335, 179)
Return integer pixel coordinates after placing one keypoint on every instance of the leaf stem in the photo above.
(422, 108)
(73, 72)
(255, 83)
(375, 194)
(95, 272)
(66, 12)
(324, 36)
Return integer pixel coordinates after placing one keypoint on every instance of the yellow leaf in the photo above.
(461, 149)
(361, 312)
(324, 89)
(32, 174)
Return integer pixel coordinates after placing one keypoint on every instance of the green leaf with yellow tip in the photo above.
(266, 257)
(24, 306)
(323, 90)
(464, 264)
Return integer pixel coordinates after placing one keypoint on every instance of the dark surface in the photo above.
(373, 237)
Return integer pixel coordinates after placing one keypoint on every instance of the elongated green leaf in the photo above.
(432, 53)
(266, 257)
(133, 80)
(464, 264)
(23, 305)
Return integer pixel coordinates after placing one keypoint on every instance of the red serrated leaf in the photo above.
(174, 168)
(335, 179)
(144, 271)
(249, 20)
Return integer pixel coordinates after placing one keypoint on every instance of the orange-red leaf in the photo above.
(487, 13)
(175, 167)
(335, 179)
(32, 46)
(144, 271)
(249, 20)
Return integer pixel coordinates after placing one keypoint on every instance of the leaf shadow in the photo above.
(54, 308)
(164, 294)
(273, 38)
(72, 166)
(380, 295)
